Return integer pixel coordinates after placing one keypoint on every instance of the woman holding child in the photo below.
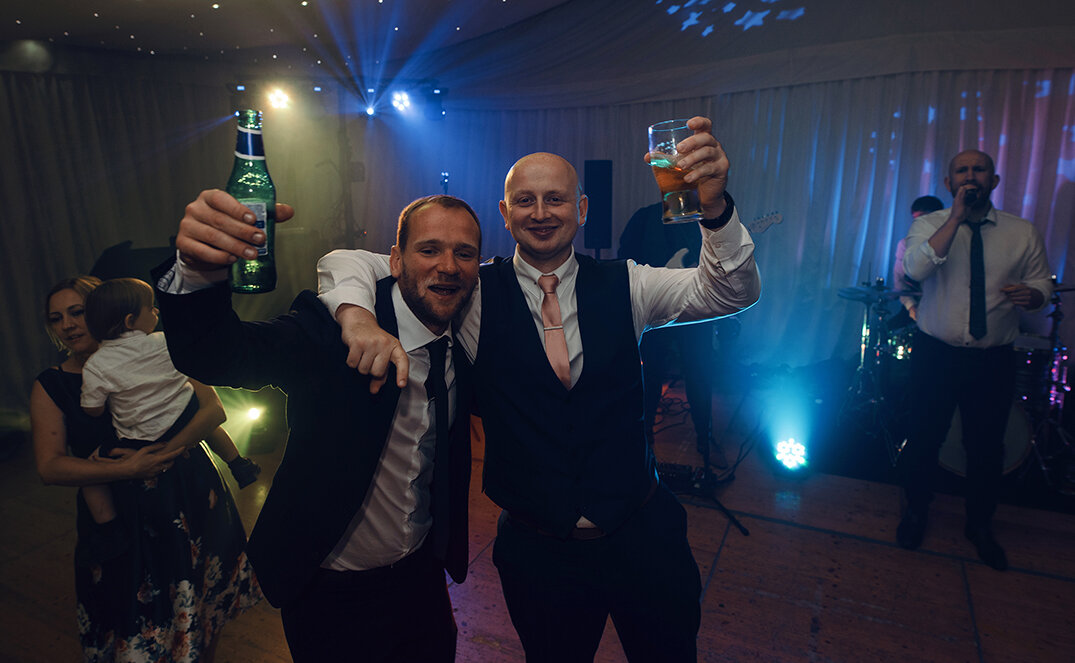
(170, 571)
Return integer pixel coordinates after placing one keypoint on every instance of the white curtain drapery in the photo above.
(837, 133)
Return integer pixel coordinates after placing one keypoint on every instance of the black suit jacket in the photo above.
(337, 428)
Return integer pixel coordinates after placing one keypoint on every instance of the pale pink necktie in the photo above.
(555, 341)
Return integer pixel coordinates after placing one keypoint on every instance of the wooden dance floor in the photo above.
(819, 578)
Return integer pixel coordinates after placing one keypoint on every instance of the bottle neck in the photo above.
(248, 144)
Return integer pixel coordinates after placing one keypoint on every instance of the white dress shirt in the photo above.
(134, 374)
(1014, 254)
(395, 517)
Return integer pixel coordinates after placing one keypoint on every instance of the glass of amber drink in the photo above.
(681, 203)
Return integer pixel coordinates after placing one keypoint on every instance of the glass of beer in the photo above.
(681, 203)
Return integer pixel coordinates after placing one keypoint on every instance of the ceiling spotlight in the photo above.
(369, 110)
(278, 99)
(240, 88)
(401, 101)
(253, 414)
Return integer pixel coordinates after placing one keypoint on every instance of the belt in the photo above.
(419, 558)
(578, 533)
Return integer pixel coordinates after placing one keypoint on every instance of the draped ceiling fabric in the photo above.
(835, 117)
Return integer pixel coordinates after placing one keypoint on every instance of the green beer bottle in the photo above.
(251, 185)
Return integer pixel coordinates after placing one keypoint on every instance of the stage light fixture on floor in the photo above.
(791, 454)
(250, 421)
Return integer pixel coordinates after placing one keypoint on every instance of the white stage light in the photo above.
(791, 454)
(279, 99)
(401, 101)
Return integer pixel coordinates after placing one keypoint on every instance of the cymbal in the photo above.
(869, 295)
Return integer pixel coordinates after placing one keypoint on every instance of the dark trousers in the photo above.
(399, 613)
(696, 360)
(559, 593)
(982, 384)
(180, 423)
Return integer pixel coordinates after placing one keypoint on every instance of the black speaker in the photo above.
(597, 178)
(121, 261)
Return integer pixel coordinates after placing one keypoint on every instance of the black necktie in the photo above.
(977, 282)
(437, 391)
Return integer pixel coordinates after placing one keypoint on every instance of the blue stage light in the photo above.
(369, 110)
(401, 101)
(791, 454)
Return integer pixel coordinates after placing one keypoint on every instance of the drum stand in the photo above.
(865, 398)
(1050, 443)
(704, 484)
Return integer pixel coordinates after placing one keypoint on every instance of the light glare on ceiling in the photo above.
(279, 99)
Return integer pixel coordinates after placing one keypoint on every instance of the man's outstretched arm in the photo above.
(347, 283)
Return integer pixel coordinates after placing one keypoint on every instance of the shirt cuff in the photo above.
(729, 207)
(927, 248)
(181, 279)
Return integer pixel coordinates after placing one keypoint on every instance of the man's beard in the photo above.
(422, 308)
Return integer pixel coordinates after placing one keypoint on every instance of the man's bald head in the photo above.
(543, 208)
(542, 161)
(974, 154)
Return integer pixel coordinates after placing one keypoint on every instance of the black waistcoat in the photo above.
(553, 454)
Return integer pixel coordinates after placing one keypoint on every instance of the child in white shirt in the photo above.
(150, 401)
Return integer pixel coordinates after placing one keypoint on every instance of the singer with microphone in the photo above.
(978, 266)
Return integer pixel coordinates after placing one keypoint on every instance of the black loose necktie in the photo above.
(977, 282)
(437, 392)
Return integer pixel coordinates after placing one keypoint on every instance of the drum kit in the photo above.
(883, 345)
(876, 397)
